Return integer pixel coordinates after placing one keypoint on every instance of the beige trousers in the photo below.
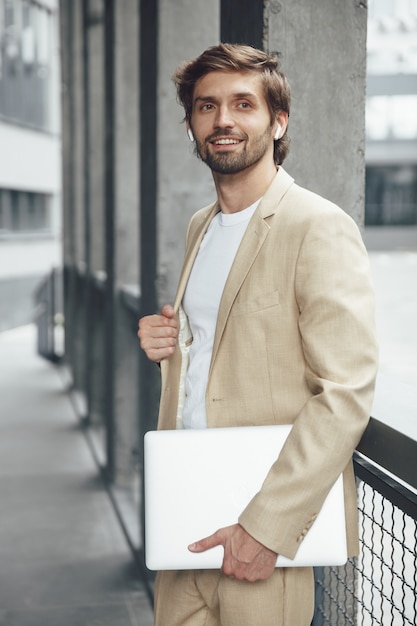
(208, 598)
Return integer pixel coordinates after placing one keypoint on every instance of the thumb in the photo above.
(168, 311)
(208, 542)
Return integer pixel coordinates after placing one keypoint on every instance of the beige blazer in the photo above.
(294, 343)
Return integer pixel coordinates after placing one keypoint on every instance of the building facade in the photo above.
(30, 154)
(391, 114)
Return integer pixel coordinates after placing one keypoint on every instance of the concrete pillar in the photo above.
(173, 183)
(322, 46)
(72, 130)
(126, 236)
(94, 178)
(78, 131)
(95, 161)
(72, 145)
(127, 140)
(186, 28)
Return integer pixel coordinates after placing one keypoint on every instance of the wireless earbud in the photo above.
(278, 132)
(190, 134)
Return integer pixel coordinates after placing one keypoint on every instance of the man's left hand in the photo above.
(244, 557)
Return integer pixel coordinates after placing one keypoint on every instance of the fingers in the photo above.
(260, 567)
(244, 557)
(202, 545)
(158, 334)
(168, 311)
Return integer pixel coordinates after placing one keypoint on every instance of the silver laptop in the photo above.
(197, 481)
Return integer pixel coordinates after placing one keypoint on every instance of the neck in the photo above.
(236, 192)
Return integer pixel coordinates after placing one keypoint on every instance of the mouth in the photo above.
(225, 141)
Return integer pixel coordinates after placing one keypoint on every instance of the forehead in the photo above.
(224, 84)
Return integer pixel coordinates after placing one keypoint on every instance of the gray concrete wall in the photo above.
(322, 46)
(186, 28)
(73, 129)
(126, 233)
(127, 134)
(96, 127)
(77, 155)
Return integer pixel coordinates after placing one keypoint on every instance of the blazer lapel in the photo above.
(193, 245)
(252, 242)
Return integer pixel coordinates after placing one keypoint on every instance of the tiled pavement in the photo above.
(63, 558)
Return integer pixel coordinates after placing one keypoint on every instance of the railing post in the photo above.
(319, 596)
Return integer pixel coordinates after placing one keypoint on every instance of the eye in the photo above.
(244, 105)
(206, 107)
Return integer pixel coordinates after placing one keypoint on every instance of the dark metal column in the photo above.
(109, 200)
(88, 321)
(148, 73)
(148, 67)
(242, 21)
(68, 140)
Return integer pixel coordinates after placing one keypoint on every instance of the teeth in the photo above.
(225, 142)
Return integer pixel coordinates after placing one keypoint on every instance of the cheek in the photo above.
(200, 124)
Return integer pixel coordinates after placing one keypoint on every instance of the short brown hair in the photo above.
(238, 58)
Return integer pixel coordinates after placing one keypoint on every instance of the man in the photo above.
(272, 323)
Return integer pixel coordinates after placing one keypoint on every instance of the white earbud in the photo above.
(190, 134)
(278, 132)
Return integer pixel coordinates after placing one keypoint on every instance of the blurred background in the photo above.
(97, 183)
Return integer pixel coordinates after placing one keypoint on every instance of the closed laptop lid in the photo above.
(197, 481)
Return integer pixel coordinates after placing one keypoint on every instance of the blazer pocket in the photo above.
(260, 303)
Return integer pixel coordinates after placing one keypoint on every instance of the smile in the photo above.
(225, 142)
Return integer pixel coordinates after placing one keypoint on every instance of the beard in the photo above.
(230, 162)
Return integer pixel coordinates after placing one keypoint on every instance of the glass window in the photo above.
(24, 212)
(25, 58)
(391, 196)
(392, 117)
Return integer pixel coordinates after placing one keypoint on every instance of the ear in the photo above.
(282, 123)
(190, 132)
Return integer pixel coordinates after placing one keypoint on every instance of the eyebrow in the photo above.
(236, 96)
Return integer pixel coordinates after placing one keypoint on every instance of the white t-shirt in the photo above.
(201, 303)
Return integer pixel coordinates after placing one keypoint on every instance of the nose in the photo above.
(224, 118)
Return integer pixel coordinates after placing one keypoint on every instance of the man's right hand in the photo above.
(158, 334)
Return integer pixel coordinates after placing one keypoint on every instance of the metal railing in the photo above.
(49, 319)
(378, 587)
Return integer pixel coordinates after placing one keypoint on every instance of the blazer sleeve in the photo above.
(336, 324)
